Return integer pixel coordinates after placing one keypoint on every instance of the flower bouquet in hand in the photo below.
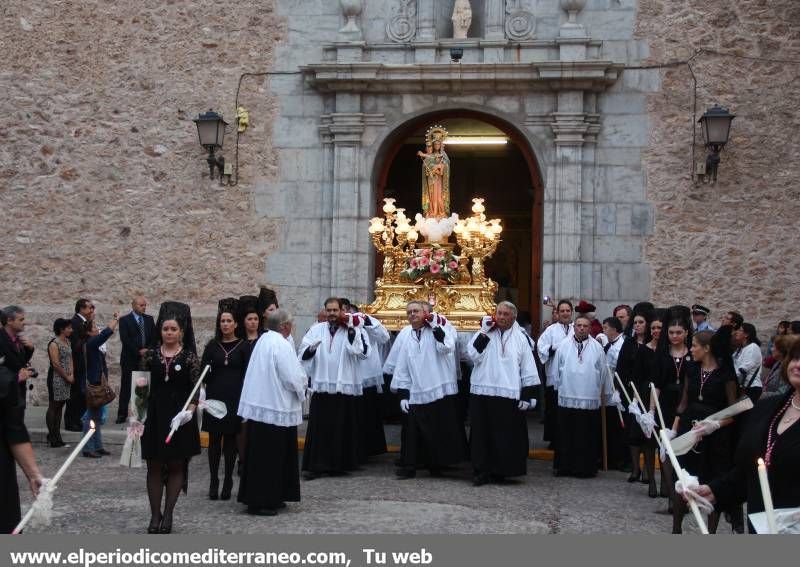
(137, 414)
(435, 262)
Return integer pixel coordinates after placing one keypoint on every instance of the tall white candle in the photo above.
(766, 496)
(172, 430)
(72, 457)
(654, 395)
(51, 484)
(681, 473)
(644, 409)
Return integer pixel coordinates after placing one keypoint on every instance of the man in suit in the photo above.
(137, 332)
(16, 349)
(81, 324)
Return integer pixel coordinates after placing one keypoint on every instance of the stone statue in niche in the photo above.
(462, 18)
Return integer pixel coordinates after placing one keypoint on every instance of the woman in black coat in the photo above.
(772, 432)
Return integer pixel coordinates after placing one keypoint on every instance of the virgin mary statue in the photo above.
(435, 175)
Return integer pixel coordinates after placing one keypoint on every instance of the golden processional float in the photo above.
(432, 270)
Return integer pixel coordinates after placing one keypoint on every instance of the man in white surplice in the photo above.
(272, 403)
(425, 377)
(501, 390)
(331, 352)
(546, 345)
(582, 383)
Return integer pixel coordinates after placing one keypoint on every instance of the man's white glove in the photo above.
(182, 418)
(404, 406)
(706, 427)
(487, 324)
(615, 400)
(634, 410)
(525, 405)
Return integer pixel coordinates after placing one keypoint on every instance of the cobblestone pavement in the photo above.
(99, 496)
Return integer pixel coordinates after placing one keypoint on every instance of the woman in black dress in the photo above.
(251, 324)
(671, 365)
(772, 432)
(633, 365)
(174, 370)
(228, 356)
(15, 447)
(710, 386)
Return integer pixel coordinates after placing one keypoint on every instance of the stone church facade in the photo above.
(106, 190)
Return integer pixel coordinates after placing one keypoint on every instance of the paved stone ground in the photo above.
(99, 496)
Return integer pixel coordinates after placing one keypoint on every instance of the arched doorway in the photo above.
(506, 173)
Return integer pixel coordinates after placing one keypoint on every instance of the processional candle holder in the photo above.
(393, 237)
(478, 238)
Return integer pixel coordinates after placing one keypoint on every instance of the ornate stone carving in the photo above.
(351, 10)
(462, 18)
(572, 7)
(402, 26)
(520, 23)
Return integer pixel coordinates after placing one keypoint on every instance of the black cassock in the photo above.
(333, 441)
(12, 432)
(270, 476)
(370, 423)
(498, 435)
(434, 435)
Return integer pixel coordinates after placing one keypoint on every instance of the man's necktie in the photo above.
(140, 323)
(607, 347)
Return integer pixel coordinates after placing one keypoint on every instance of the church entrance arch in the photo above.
(505, 172)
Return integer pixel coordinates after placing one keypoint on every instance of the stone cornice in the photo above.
(460, 77)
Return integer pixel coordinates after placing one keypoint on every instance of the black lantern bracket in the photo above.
(716, 127)
(211, 132)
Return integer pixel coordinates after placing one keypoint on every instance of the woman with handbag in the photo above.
(98, 393)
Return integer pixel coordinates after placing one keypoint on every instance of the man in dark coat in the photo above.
(81, 324)
(16, 349)
(137, 332)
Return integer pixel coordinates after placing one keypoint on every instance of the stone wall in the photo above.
(728, 245)
(103, 185)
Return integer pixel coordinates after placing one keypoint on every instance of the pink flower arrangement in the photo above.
(435, 260)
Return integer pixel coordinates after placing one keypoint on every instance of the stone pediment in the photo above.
(588, 75)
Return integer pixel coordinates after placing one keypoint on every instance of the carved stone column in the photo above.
(425, 50)
(569, 128)
(572, 39)
(349, 256)
(494, 16)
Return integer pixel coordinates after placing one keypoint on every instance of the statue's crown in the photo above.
(435, 133)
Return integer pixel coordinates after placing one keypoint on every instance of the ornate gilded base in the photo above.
(463, 304)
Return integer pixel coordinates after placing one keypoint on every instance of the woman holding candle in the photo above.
(710, 386)
(174, 370)
(772, 433)
(633, 365)
(670, 368)
(228, 357)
